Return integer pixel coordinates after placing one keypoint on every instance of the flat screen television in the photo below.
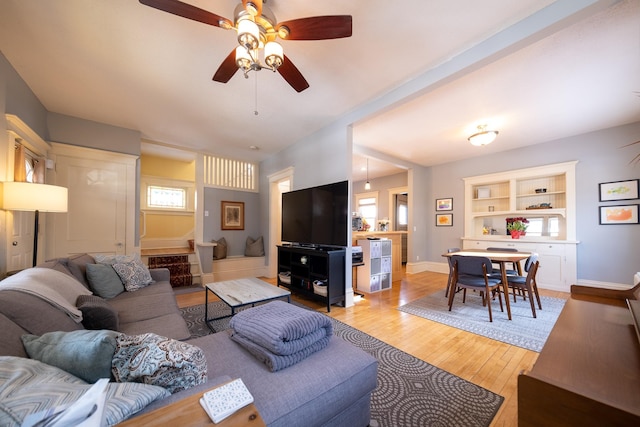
(316, 216)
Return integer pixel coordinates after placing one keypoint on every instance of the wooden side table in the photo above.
(189, 413)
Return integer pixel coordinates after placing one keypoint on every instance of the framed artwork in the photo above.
(619, 214)
(232, 216)
(619, 190)
(444, 220)
(444, 204)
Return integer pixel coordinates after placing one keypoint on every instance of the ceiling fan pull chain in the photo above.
(256, 99)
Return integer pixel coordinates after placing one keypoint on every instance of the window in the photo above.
(169, 195)
(166, 197)
(367, 204)
(547, 226)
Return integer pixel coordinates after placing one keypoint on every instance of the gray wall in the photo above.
(86, 133)
(236, 239)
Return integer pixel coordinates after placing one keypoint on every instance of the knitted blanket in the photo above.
(276, 362)
(282, 328)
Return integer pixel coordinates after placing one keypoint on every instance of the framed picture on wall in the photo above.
(619, 190)
(619, 214)
(444, 204)
(444, 220)
(232, 215)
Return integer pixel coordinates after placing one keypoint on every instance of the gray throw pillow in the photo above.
(85, 354)
(97, 313)
(104, 281)
(254, 247)
(220, 250)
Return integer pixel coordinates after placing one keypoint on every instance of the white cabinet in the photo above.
(375, 275)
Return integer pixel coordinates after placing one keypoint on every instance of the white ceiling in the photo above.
(417, 76)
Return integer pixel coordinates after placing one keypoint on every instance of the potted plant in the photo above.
(517, 227)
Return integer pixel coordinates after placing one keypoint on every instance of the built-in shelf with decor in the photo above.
(545, 194)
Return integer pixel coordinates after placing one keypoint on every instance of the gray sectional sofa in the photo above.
(331, 387)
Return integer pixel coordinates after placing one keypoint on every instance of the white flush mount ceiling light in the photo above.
(483, 136)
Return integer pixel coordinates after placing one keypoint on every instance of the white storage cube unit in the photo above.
(375, 274)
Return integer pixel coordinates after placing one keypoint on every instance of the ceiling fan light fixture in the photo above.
(273, 55)
(483, 136)
(248, 34)
(243, 59)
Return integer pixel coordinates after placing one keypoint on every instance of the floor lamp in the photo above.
(27, 196)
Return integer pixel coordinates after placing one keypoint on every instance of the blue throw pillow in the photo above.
(104, 281)
(85, 354)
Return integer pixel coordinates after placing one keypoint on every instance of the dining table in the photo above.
(498, 257)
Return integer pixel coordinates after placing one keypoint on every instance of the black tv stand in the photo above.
(306, 265)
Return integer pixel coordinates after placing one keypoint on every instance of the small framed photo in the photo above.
(232, 216)
(619, 190)
(619, 214)
(444, 204)
(444, 220)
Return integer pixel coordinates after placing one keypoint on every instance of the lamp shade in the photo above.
(27, 196)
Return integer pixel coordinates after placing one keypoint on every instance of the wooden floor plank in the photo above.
(485, 362)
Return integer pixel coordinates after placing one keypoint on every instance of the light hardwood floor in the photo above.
(488, 363)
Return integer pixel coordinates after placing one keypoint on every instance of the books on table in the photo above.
(223, 401)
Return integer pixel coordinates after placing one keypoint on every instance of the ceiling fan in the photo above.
(258, 29)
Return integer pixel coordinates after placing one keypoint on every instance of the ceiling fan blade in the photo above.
(188, 11)
(254, 4)
(318, 27)
(227, 69)
(292, 75)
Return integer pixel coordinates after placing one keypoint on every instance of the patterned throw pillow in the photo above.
(133, 275)
(152, 359)
(28, 386)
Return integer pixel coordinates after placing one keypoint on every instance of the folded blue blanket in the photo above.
(276, 362)
(282, 328)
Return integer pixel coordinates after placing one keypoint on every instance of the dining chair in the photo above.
(450, 250)
(527, 284)
(471, 272)
(533, 258)
(510, 272)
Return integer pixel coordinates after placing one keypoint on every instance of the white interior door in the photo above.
(101, 210)
(20, 247)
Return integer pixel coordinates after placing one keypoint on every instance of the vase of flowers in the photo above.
(517, 227)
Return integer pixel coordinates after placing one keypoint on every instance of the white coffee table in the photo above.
(241, 292)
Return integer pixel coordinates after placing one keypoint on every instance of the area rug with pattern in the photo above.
(410, 392)
(522, 331)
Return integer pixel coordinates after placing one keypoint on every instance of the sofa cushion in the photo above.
(97, 313)
(85, 354)
(104, 281)
(169, 325)
(153, 359)
(58, 264)
(28, 386)
(134, 275)
(254, 247)
(78, 267)
(220, 249)
(10, 334)
(35, 315)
